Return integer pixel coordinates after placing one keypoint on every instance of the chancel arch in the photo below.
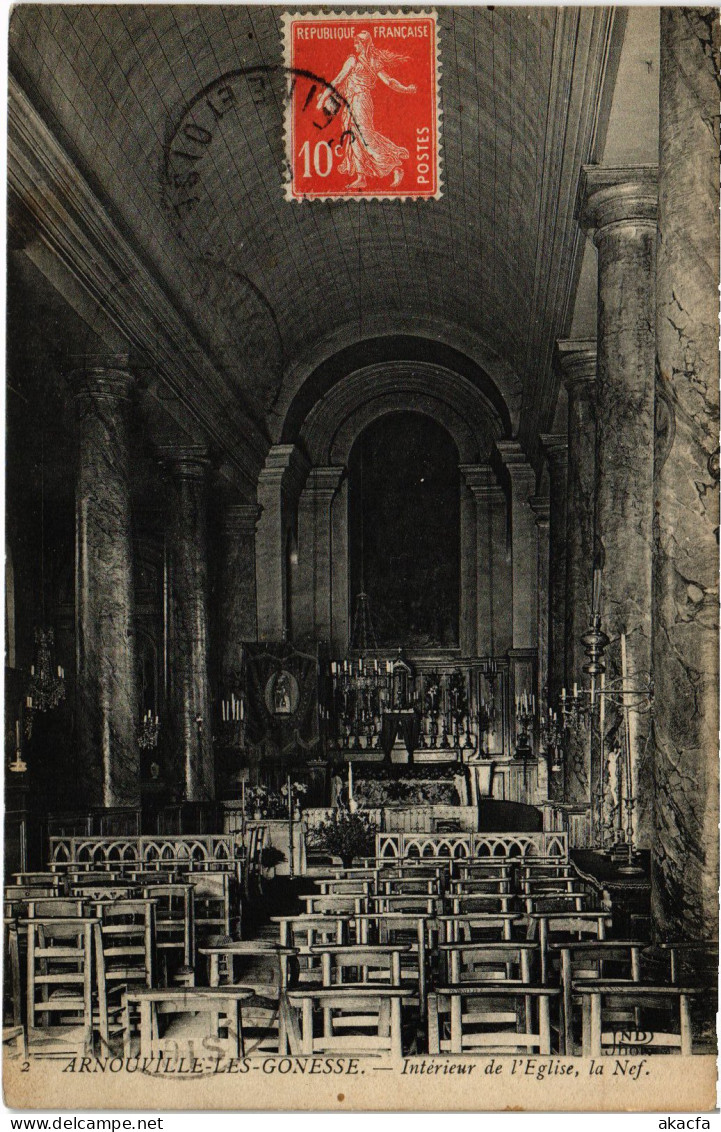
(475, 419)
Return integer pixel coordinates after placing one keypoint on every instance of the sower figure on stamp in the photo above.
(368, 153)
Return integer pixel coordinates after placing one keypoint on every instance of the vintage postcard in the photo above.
(361, 561)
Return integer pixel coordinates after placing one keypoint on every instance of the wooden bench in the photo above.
(155, 1003)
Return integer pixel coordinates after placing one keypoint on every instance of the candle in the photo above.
(350, 781)
(575, 690)
(17, 735)
(563, 695)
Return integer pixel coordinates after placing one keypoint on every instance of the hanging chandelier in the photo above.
(46, 688)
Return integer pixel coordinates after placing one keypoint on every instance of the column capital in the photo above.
(612, 195)
(555, 447)
(107, 381)
(541, 507)
(481, 480)
(523, 477)
(577, 359)
(323, 482)
(285, 467)
(240, 518)
(185, 461)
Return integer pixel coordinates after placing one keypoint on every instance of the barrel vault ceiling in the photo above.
(263, 287)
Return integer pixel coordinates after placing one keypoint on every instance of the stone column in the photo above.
(236, 596)
(340, 571)
(189, 692)
(620, 205)
(468, 595)
(279, 486)
(313, 617)
(487, 556)
(107, 701)
(541, 507)
(556, 449)
(577, 360)
(523, 535)
(685, 599)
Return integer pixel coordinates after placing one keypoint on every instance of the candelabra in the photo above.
(525, 717)
(551, 739)
(231, 725)
(612, 817)
(149, 732)
(18, 765)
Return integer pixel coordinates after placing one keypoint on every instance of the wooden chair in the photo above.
(486, 962)
(127, 930)
(368, 963)
(173, 924)
(467, 886)
(551, 902)
(61, 985)
(303, 933)
(179, 1021)
(56, 906)
(345, 887)
(413, 928)
(478, 926)
(263, 1020)
(663, 1018)
(408, 885)
(418, 903)
(111, 890)
(319, 905)
(560, 927)
(492, 1017)
(355, 1019)
(43, 880)
(469, 902)
(591, 960)
(13, 1015)
(216, 904)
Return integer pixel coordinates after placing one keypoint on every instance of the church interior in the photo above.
(361, 616)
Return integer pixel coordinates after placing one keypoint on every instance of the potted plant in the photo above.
(346, 835)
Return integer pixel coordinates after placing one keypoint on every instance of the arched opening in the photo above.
(404, 528)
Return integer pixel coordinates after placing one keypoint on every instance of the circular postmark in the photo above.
(231, 129)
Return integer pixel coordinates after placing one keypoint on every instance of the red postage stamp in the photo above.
(362, 118)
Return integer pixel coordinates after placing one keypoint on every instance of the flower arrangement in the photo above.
(298, 790)
(345, 834)
(263, 803)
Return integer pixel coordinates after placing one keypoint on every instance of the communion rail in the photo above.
(399, 845)
(140, 851)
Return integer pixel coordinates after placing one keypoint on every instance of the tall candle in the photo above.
(350, 782)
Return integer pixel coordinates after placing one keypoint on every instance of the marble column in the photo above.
(541, 507)
(620, 204)
(236, 616)
(189, 692)
(340, 571)
(523, 542)
(686, 486)
(312, 619)
(468, 596)
(556, 450)
(279, 487)
(107, 701)
(577, 361)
